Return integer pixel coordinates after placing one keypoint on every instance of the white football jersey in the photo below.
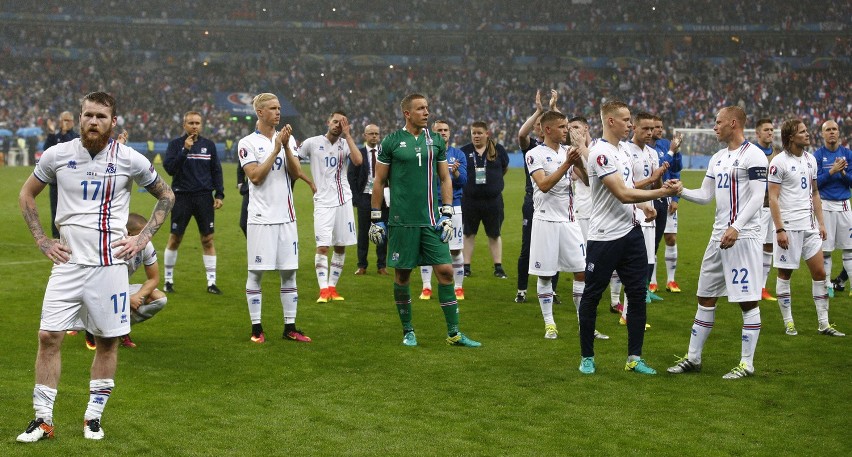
(271, 202)
(610, 219)
(328, 169)
(796, 176)
(582, 199)
(557, 204)
(732, 170)
(94, 195)
(645, 162)
(147, 257)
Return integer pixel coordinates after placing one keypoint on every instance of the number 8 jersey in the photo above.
(94, 195)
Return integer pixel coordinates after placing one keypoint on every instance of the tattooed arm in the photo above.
(165, 200)
(51, 248)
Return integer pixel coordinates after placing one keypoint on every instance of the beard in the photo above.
(97, 144)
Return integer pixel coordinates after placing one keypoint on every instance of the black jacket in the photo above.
(357, 176)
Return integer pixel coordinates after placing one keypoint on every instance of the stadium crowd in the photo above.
(160, 73)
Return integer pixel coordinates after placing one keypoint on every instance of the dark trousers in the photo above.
(54, 199)
(628, 257)
(244, 215)
(662, 207)
(526, 236)
(364, 239)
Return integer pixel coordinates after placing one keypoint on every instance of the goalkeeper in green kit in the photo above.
(414, 159)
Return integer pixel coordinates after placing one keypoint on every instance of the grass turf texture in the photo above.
(197, 386)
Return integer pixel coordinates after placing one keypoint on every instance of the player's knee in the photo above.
(50, 341)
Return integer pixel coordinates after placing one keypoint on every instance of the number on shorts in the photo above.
(295, 247)
(583, 249)
(351, 229)
(743, 279)
(115, 297)
(95, 184)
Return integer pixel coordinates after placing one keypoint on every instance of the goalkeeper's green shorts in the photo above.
(411, 247)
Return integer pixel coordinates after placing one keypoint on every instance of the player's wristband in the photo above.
(780, 230)
(375, 214)
(447, 210)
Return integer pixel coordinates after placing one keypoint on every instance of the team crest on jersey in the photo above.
(402, 144)
(602, 161)
(773, 170)
(110, 168)
(243, 153)
(72, 164)
(736, 162)
(204, 150)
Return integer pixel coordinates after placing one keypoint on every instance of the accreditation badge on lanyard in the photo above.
(480, 171)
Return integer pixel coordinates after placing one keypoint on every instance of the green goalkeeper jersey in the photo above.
(415, 195)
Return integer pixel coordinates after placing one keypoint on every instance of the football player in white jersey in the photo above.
(334, 219)
(94, 175)
(732, 265)
(557, 242)
(272, 238)
(145, 299)
(647, 174)
(797, 214)
(615, 239)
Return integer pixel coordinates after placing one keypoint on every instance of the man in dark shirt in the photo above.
(66, 133)
(194, 165)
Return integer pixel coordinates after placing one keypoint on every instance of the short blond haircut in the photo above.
(261, 100)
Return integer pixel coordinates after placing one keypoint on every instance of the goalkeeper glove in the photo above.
(378, 230)
(445, 223)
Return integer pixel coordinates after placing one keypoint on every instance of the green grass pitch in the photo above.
(196, 386)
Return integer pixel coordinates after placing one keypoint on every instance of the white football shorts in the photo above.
(735, 272)
(556, 246)
(838, 229)
(92, 297)
(801, 244)
(335, 226)
(272, 246)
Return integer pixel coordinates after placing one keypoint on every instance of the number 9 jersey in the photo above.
(270, 202)
(94, 195)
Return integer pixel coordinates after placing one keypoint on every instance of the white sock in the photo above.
(148, 310)
(545, 299)
(254, 296)
(767, 264)
(654, 275)
(210, 266)
(624, 307)
(458, 269)
(577, 290)
(701, 327)
(43, 399)
(826, 262)
(289, 295)
(169, 261)
(321, 266)
(751, 332)
(671, 263)
(847, 262)
(615, 289)
(785, 300)
(820, 292)
(337, 261)
(99, 392)
(426, 276)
